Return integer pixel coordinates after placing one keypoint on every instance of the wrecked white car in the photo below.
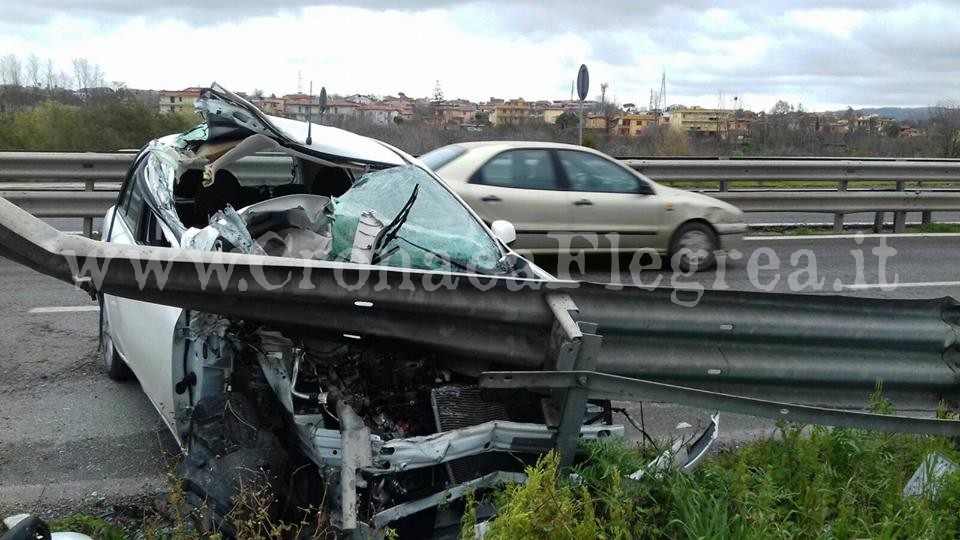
(292, 401)
(344, 329)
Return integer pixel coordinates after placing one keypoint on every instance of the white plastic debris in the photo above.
(12, 521)
(683, 456)
(929, 474)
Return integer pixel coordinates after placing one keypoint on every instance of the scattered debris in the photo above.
(928, 476)
(683, 456)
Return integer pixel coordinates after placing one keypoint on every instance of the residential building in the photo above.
(269, 105)
(378, 113)
(361, 99)
(550, 114)
(178, 101)
(457, 113)
(701, 122)
(741, 120)
(632, 125)
(341, 109)
(595, 121)
(512, 113)
(403, 105)
(301, 107)
(907, 132)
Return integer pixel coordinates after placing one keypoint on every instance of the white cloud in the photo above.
(883, 52)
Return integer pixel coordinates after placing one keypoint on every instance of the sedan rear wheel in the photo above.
(694, 247)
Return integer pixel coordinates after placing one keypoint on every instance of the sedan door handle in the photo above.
(490, 198)
(584, 202)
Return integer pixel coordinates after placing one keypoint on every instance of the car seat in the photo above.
(224, 190)
(184, 196)
(290, 189)
(331, 182)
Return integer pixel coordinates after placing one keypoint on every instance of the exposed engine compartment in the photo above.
(407, 401)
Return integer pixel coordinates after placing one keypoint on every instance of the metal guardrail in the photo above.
(58, 184)
(759, 353)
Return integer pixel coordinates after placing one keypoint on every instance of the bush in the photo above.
(120, 122)
(806, 482)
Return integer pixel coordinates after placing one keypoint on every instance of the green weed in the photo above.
(806, 482)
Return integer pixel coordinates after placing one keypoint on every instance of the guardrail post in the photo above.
(88, 221)
(878, 222)
(899, 218)
(838, 218)
(926, 217)
(574, 403)
(724, 185)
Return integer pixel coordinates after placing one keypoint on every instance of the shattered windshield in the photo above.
(414, 223)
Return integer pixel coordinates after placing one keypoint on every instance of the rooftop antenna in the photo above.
(309, 114)
(299, 82)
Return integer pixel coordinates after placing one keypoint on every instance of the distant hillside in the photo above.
(901, 114)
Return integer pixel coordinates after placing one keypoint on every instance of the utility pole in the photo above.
(603, 107)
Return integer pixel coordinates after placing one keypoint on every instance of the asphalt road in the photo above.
(66, 431)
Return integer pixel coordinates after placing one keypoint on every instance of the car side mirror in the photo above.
(504, 230)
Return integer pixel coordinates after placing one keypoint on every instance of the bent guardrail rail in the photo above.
(760, 353)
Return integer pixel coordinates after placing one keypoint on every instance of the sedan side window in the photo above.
(133, 210)
(587, 172)
(522, 169)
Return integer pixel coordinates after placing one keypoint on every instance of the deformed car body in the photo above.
(323, 194)
(365, 342)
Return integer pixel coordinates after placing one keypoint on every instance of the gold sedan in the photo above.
(564, 197)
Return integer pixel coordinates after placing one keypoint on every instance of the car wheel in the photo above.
(234, 469)
(113, 365)
(697, 245)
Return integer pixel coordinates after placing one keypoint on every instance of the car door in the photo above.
(522, 186)
(143, 332)
(607, 198)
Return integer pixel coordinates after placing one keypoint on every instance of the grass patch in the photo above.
(803, 230)
(93, 527)
(936, 228)
(803, 483)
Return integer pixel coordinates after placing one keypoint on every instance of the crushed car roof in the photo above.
(218, 103)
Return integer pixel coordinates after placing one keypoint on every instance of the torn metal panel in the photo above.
(684, 457)
(355, 456)
(385, 517)
(233, 229)
(497, 436)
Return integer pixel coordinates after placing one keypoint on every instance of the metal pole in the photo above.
(88, 221)
(838, 218)
(581, 123)
(900, 218)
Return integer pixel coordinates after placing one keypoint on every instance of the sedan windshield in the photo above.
(422, 224)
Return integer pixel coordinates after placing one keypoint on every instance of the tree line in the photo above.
(43, 107)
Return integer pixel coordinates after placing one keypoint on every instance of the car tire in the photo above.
(694, 236)
(231, 462)
(113, 365)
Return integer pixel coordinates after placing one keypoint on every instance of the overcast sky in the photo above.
(826, 55)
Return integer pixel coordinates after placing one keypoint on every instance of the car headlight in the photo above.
(734, 216)
(722, 215)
